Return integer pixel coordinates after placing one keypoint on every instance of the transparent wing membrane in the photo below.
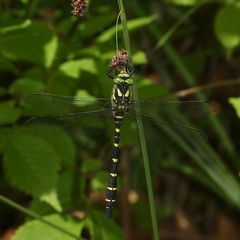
(53, 105)
(191, 109)
(94, 115)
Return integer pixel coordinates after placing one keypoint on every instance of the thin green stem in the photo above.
(36, 216)
(174, 28)
(140, 130)
(116, 31)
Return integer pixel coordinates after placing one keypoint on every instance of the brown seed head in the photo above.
(79, 7)
(119, 60)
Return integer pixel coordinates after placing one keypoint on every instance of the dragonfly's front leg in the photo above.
(110, 72)
(130, 70)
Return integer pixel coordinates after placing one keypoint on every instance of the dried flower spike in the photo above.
(79, 7)
(119, 60)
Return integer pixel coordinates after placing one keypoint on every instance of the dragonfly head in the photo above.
(123, 77)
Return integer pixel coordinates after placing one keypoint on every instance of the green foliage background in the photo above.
(55, 173)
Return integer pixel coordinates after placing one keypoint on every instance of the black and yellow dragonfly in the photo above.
(121, 106)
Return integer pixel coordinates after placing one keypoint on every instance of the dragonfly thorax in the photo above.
(121, 98)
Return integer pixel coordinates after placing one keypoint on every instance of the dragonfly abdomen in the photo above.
(112, 183)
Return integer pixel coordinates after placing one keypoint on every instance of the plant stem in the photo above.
(140, 129)
(36, 216)
(174, 28)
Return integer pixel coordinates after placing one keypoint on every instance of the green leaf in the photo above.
(26, 86)
(29, 41)
(31, 163)
(6, 64)
(148, 89)
(227, 26)
(51, 198)
(36, 73)
(16, 26)
(41, 208)
(139, 58)
(91, 165)
(99, 181)
(96, 24)
(71, 189)
(103, 228)
(235, 102)
(2, 91)
(83, 94)
(36, 230)
(62, 144)
(8, 113)
(183, 2)
(2, 137)
(132, 25)
(73, 68)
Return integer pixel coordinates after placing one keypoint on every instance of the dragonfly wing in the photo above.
(86, 117)
(183, 128)
(168, 125)
(190, 109)
(42, 104)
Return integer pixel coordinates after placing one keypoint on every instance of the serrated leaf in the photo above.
(73, 68)
(30, 41)
(36, 230)
(227, 26)
(31, 164)
(103, 228)
(26, 86)
(132, 25)
(235, 102)
(62, 144)
(8, 113)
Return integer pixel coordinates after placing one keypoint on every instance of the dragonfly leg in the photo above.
(110, 73)
(130, 70)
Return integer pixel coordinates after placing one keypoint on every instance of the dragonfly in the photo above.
(121, 106)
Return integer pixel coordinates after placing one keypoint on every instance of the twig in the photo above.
(207, 87)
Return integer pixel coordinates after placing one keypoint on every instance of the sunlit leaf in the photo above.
(139, 58)
(51, 198)
(73, 68)
(227, 26)
(37, 230)
(31, 163)
(235, 102)
(103, 228)
(29, 41)
(183, 2)
(132, 25)
(26, 86)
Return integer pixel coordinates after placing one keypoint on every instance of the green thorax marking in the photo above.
(121, 94)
